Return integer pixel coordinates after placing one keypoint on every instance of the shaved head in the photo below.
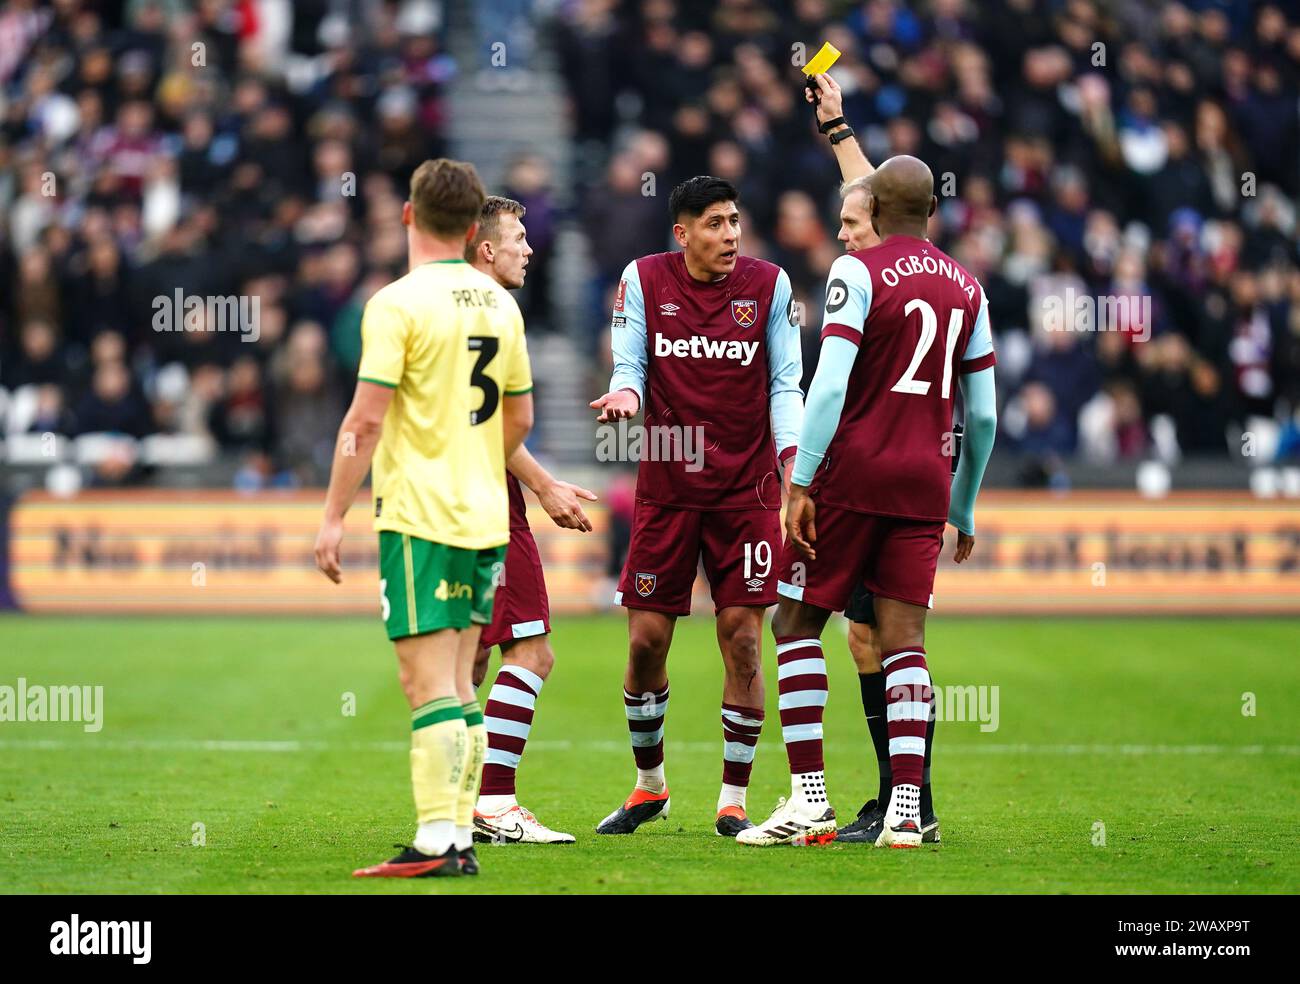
(902, 191)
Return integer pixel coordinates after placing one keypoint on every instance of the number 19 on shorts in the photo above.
(758, 559)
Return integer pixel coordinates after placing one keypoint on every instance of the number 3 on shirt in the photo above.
(907, 383)
(486, 346)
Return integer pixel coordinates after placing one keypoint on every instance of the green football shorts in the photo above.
(426, 586)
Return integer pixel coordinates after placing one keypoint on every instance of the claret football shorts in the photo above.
(522, 607)
(740, 549)
(889, 557)
(426, 586)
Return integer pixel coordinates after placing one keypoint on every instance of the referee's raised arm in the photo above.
(830, 121)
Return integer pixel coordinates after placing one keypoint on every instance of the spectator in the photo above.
(241, 419)
(112, 406)
(307, 409)
(40, 361)
(528, 181)
(1041, 429)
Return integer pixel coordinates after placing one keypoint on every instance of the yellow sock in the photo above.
(438, 749)
(475, 751)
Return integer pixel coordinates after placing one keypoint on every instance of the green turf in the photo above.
(1213, 811)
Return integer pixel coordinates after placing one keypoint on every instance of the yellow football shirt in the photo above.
(450, 341)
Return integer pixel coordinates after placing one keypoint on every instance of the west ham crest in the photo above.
(744, 312)
(645, 584)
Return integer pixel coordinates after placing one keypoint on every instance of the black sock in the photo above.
(927, 803)
(873, 705)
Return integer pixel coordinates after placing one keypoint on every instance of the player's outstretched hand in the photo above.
(616, 406)
(832, 99)
(800, 525)
(327, 550)
(560, 500)
(965, 544)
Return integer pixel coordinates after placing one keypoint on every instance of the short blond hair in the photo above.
(447, 197)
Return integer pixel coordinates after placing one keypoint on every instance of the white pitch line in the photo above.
(94, 742)
(1031, 749)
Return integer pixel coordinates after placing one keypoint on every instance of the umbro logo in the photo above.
(755, 583)
(670, 309)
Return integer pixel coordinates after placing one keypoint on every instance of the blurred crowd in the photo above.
(1123, 150)
(220, 148)
(261, 148)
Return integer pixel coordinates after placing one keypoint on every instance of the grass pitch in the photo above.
(232, 734)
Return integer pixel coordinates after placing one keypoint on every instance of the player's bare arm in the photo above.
(561, 500)
(516, 421)
(358, 435)
(848, 154)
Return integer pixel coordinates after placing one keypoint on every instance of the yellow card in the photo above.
(823, 60)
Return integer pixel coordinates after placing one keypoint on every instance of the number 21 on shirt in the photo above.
(908, 383)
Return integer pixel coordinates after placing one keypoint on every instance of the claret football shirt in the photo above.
(919, 320)
(717, 366)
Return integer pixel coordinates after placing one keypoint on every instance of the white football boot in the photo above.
(792, 822)
(901, 833)
(902, 824)
(515, 825)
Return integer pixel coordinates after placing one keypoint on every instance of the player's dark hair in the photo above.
(696, 194)
(447, 196)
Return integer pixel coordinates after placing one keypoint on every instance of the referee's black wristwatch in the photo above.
(830, 125)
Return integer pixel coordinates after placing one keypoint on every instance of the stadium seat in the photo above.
(95, 449)
(18, 409)
(177, 449)
(36, 449)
